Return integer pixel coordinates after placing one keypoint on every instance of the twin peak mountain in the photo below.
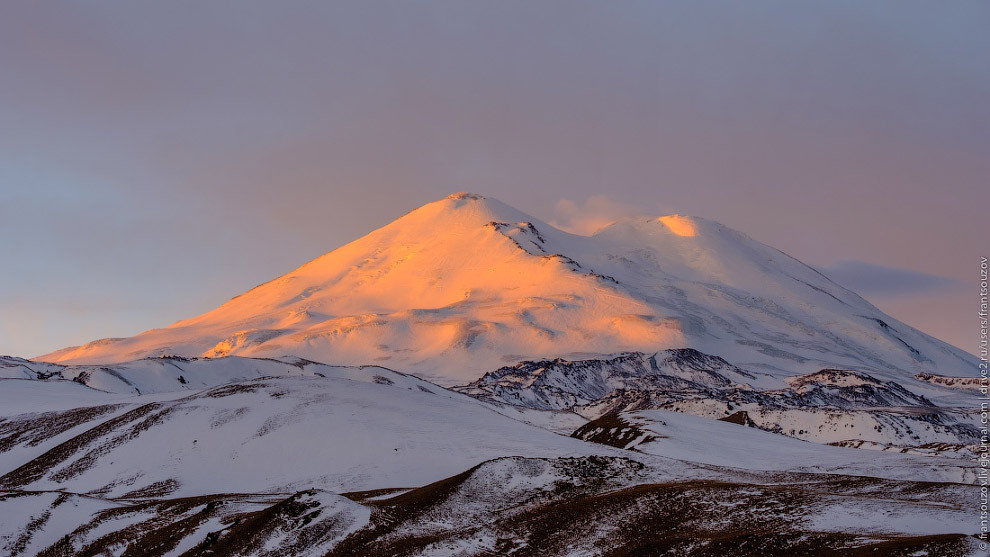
(467, 284)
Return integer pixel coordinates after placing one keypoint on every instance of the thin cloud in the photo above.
(868, 279)
(594, 213)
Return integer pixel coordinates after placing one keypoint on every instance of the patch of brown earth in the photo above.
(38, 467)
(614, 431)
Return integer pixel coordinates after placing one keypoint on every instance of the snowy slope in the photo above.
(228, 426)
(518, 506)
(831, 406)
(618, 506)
(349, 429)
(271, 457)
(221, 434)
(466, 284)
(728, 445)
(58, 523)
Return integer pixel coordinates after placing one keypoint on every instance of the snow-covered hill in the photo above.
(829, 406)
(467, 284)
(299, 458)
(651, 388)
(724, 443)
(515, 506)
(274, 427)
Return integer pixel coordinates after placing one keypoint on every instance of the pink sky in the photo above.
(156, 160)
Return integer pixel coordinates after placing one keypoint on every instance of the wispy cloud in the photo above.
(595, 212)
(868, 280)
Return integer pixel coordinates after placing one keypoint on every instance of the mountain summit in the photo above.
(466, 284)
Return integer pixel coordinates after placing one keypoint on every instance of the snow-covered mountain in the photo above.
(467, 284)
(236, 456)
(649, 389)
(346, 429)
(832, 406)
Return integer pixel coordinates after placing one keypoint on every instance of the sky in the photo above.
(157, 159)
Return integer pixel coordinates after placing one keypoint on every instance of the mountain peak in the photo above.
(680, 225)
(674, 225)
(458, 212)
(466, 284)
(465, 195)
